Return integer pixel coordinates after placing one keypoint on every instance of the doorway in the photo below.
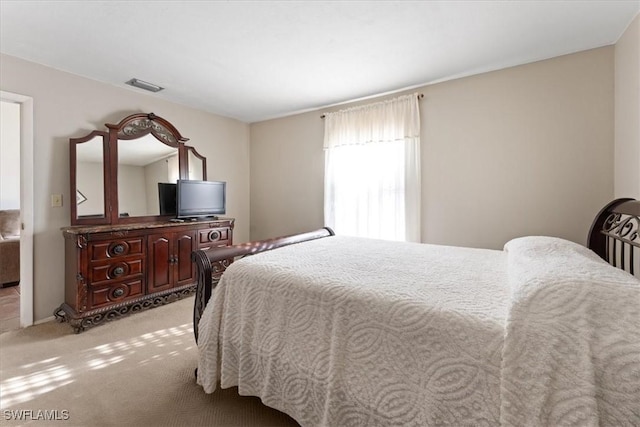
(25, 195)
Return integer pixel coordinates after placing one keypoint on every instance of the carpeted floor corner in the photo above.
(135, 371)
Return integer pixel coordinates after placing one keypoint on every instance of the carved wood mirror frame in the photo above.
(132, 127)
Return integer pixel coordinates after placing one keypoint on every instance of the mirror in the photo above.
(142, 164)
(90, 178)
(196, 165)
(88, 174)
(115, 174)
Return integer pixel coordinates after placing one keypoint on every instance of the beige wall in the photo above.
(287, 176)
(67, 106)
(627, 112)
(525, 150)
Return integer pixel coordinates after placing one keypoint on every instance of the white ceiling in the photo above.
(259, 60)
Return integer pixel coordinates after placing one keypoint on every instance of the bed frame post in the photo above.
(203, 287)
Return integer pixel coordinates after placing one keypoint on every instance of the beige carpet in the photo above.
(135, 371)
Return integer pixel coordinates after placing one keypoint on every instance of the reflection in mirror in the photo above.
(90, 178)
(196, 165)
(142, 164)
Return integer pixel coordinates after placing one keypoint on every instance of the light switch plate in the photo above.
(56, 200)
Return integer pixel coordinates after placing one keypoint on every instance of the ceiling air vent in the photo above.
(144, 85)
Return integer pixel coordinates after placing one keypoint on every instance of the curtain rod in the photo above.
(420, 96)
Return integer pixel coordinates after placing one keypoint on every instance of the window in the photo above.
(372, 170)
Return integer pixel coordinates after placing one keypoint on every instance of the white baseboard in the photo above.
(45, 320)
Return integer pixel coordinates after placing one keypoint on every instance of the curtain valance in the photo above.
(392, 120)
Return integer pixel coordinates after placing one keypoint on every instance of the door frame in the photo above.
(26, 204)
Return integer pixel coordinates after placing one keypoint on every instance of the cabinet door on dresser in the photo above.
(169, 256)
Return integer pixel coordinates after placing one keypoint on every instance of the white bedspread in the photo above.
(353, 332)
(572, 347)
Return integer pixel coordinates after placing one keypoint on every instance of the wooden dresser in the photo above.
(123, 251)
(112, 271)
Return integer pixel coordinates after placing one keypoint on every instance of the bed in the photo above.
(342, 331)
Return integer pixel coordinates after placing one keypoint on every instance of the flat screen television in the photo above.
(200, 198)
(167, 198)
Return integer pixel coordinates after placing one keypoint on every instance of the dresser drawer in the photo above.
(114, 293)
(214, 237)
(115, 248)
(116, 270)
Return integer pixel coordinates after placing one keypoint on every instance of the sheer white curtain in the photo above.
(372, 170)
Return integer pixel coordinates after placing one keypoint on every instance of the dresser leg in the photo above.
(60, 315)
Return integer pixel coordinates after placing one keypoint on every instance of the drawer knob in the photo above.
(118, 292)
(214, 235)
(118, 271)
(118, 249)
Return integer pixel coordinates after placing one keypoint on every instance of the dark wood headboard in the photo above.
(615, 235)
